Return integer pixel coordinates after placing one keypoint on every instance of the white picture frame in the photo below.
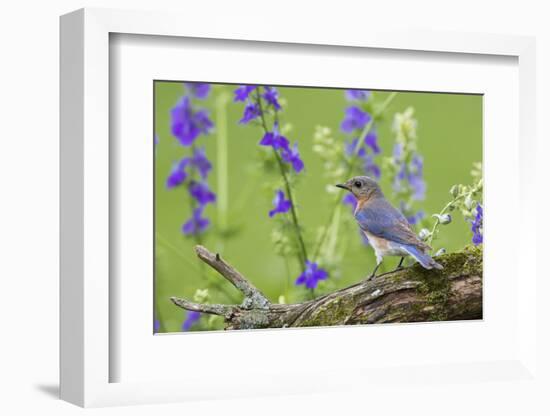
(87, 302)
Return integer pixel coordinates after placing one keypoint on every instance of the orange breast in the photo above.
(360, 204)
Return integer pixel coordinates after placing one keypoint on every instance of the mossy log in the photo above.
(411, 294)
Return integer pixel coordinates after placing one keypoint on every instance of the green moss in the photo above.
(334, 312)
(435, 286)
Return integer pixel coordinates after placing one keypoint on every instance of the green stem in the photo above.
(196, 235)
(294, 216)
(288, 283)
(222, 160)
(352, 160)
(292, 208)
(333, 238)
(443, 211)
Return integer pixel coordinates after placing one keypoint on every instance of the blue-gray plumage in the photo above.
(387, 230)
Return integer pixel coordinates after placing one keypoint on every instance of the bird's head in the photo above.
(362, 187)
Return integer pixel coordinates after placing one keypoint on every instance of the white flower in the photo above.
(404, 125)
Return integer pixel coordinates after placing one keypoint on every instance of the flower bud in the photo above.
(440, 252)
(445, 219)
(454, 191)
(424, 234)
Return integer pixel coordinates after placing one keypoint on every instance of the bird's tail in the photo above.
(423, 258)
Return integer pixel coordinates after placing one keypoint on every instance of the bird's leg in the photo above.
(374, 271)
(400, 265)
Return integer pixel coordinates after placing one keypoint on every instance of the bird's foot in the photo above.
(373, 274)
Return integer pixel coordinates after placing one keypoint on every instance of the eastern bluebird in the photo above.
(387, 230)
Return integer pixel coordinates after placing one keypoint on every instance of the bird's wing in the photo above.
(380, 218)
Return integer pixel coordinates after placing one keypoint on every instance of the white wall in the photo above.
(29, 58)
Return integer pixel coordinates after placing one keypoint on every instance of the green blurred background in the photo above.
(449, 139)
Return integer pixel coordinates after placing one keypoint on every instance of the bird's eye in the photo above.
(357, 184)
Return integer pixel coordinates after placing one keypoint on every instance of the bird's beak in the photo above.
(343, 186)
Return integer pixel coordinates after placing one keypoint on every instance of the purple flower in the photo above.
(292, 156)
(415, 177)
(371, 140)
(156, 326)
(198, 89)
(311, 276)
(275, 140)
(369, 166)
(415, 218)
(355, 119)
(201, 162)
(242, 93)
(477, 226)
(399, 177)
(419, 187)
(177, 174)
(412, 217)
(413, 173)
(271, 96)
(349, 147)
(187, 125)
(397, 151)
(357, 95)
(281, 204)
(191, 318)
(349, 199)
(251, 111)
(201, 192)
(197, 224)
(278, 142)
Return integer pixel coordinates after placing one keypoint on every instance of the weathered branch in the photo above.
(408, 295)
(253, 298)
